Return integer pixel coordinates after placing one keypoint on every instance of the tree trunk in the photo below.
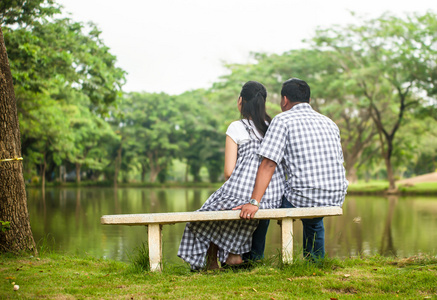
(61, 174)
(350, 160)
(387, 245)
(359, 134)
(43, 175)
(143, 172)
(78, 166)
(13, 200)
(391, 179)
(351, 174)
(153, 174)
(155, 168)
(117, 166)
(43, 172)
(386, 154)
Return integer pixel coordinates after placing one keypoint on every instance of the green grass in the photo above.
(140, 258)
(423, 188)
(380, 187)
(368, 187)
(54, 276)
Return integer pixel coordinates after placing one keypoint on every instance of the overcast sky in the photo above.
(174, 46)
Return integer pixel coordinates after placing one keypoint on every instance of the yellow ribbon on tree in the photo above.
(11, 159)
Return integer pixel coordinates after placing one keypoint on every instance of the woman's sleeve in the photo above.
(233, 132)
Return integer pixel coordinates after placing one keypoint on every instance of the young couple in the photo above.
(294, 160)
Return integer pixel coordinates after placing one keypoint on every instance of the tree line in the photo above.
(376, 80)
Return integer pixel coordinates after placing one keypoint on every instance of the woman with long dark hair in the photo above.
(205, 242)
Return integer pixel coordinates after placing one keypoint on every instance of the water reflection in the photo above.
(69, 219)
(387, 245)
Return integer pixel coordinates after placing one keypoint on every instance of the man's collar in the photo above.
(300, 105)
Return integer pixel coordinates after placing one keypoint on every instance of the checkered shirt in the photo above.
(308, 144)
(231, 236)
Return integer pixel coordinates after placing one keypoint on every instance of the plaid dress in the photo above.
(231, 236)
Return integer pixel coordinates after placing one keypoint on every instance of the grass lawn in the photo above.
(419, 188)
(379, 187)
(56, 276)
(368, 187)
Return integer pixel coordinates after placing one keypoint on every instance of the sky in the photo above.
(174, 46)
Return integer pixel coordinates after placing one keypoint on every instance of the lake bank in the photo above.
(377, 188)
(67, 277)
(68, 219)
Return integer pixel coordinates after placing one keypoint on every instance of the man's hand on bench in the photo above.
(248, 211)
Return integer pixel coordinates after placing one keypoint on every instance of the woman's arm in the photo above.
(231, 150)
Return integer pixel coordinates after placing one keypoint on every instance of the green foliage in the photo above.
(61, 54)
(158, 128)
(376, 80)
(88, 132)
(5, 226)
(25, 12)
(385, 60)
(147, 126)
(44, 127)
(203, 138)
(66, 81)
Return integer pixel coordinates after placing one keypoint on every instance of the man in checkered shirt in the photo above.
(308, 144)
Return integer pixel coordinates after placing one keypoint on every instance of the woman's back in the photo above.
(238, 188)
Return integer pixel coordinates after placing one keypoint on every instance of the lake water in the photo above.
(69, 221)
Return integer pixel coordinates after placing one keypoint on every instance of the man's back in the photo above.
(308, 144)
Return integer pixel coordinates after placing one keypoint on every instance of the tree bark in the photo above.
(155, 168)
(43, 172)
(359, 134)
(153, 174)
(78, 167)
(143, 172)
(117, 165)
(351, 173)
(391, 178)
(386, 141)
(13, 200)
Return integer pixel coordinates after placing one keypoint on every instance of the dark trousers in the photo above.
(313, 235)
(313, 238)
(258, 242)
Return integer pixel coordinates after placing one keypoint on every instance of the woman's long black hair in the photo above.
(253, 105)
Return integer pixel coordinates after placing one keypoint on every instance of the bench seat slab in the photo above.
(154, 222)
(199, 216)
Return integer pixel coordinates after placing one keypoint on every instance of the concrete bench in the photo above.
(154, 221)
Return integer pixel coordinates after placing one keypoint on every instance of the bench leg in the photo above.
(287, 240)
(155, 247)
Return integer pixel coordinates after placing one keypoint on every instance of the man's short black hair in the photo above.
(296, 90)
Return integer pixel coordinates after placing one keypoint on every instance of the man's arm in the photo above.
(263, 177)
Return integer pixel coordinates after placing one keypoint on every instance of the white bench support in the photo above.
(287, 240)
(155, 253)
(154, 221)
